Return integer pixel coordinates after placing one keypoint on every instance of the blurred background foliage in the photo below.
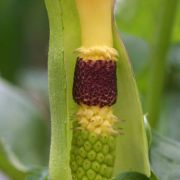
(24, 110)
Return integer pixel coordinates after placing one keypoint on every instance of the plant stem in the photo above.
(158, 59)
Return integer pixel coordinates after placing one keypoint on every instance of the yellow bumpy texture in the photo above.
(96, 119)
(97, 53)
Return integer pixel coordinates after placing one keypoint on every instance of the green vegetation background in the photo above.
(24, 110)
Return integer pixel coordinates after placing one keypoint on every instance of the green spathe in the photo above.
(132, 150)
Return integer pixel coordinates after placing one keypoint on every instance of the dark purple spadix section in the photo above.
(95, 83)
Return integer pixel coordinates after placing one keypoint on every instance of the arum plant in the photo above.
(96, 117)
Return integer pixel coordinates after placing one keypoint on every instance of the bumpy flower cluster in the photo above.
(97, 120)
(95, 82)
(92, 155)
(95, 91)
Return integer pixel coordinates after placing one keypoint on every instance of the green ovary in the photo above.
(92, 153)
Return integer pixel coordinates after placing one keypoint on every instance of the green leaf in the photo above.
(160, 43)
(165, 157)
(135, 16)
(174, 67)
(132, 176)
(9, 164)
(22, 125)
(153, 176)
(13, 168)
(141, 13)
(135, 176)
(169, 121)
(40, 174)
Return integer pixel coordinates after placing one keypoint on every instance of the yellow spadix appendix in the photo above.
(95, 91)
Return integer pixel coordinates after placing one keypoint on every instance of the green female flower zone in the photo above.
(90, 94)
